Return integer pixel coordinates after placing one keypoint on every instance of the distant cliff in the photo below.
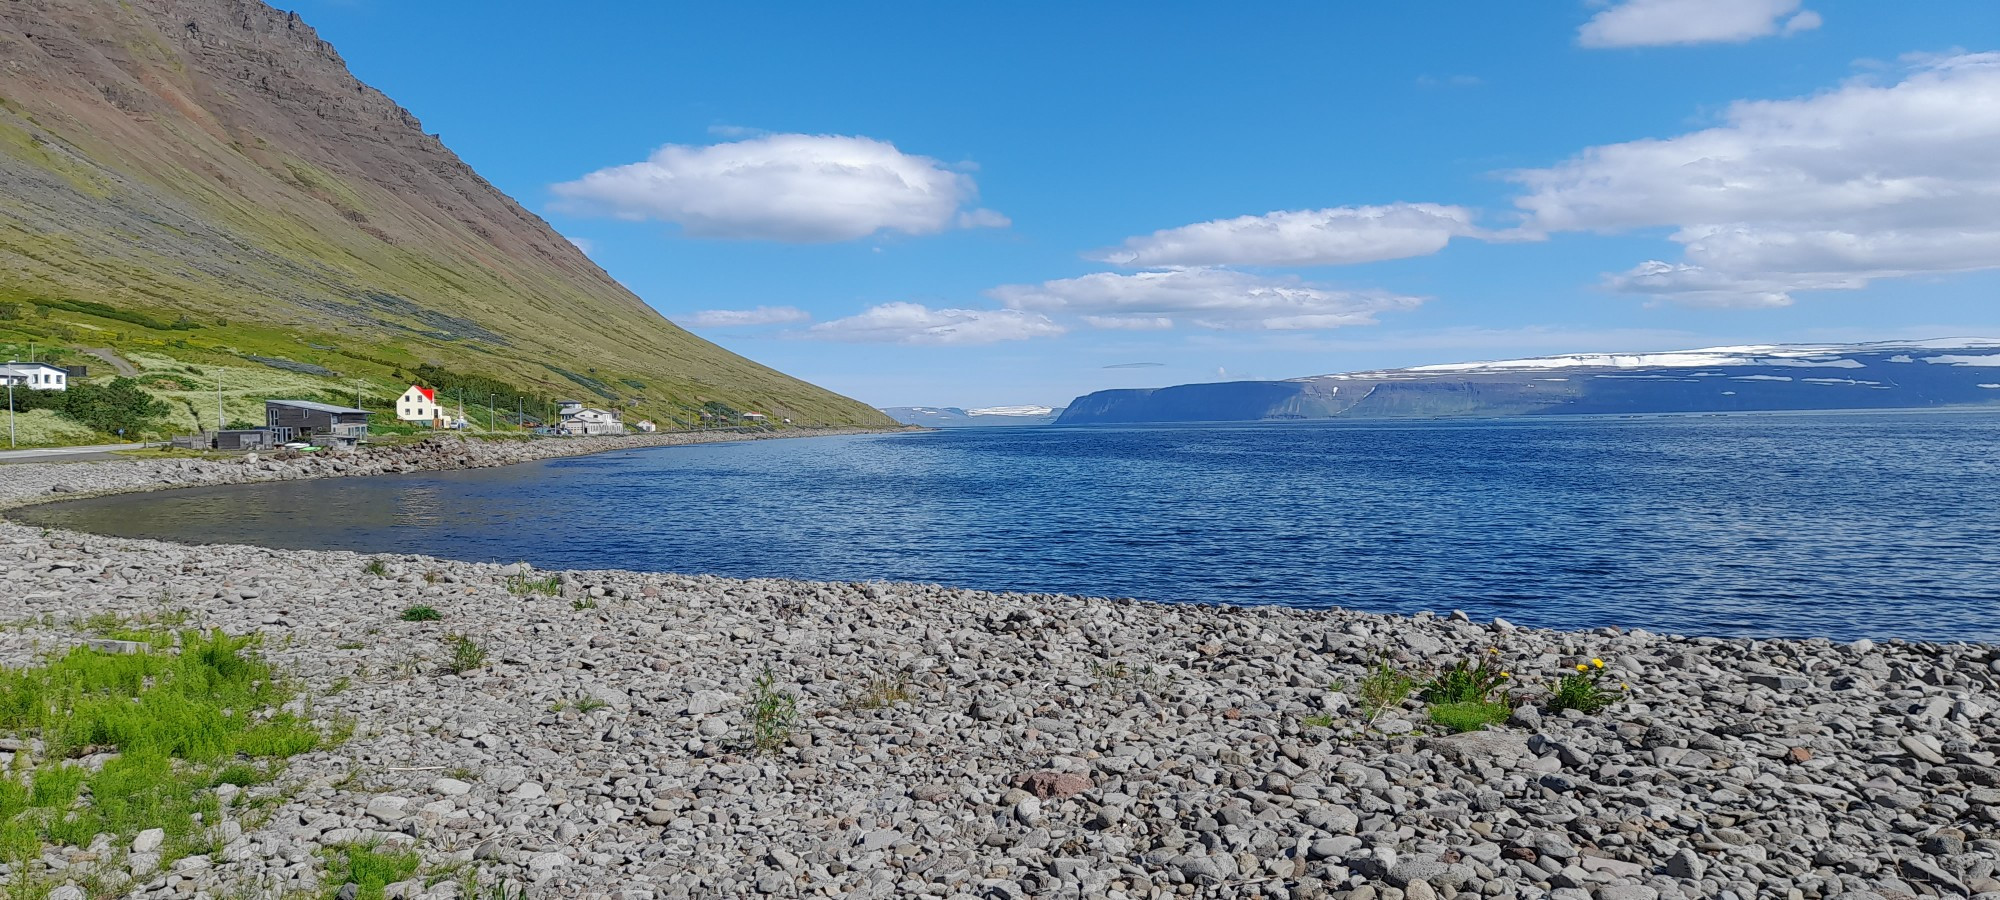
(1906, 375)
(989, 417)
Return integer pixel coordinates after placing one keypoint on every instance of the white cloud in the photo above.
(802, 188)
(586, 245)
(914, 323)
(739, 318)
(1313, 237)
(1209, 298)
(1129, 323)
(1652, 23)
(1827, 192)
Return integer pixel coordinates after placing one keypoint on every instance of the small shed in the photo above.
(245, 439)
(294, 420)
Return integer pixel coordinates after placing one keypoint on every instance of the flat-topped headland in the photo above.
(607, 733)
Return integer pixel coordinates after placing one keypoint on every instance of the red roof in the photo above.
(429, 394)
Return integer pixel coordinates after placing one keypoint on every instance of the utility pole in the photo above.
(10, 413)
(218, 401)
(489, 413)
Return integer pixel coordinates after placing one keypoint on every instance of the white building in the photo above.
(580, 419)
(419, 404)
(34, 376)
(646, 425)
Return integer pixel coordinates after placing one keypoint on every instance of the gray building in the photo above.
(321, 423)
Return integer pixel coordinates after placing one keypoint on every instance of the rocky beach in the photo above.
(654, 735)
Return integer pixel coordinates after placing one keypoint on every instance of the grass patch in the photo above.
(368, 868)
(531, 585)
(1468, 682)
(1319, 720)
(1384, 689)
(179, 725)
(421, 613)
(376, 568)
(465, 654)
(583, 604)
(1469, 715)
(883, 691)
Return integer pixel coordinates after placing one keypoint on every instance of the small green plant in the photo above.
(1318, 720)
(1468, 682)
(340, 684)
(589, 704)
(583, 603)
(465, 654)
(882, 691)
(469, 889)
(421, 614)
(349, 645)
(1384, 689)
(1582, 690)
(1469, 715)
(377, 568)
(773, 712)
(525, 585)
(368, 868)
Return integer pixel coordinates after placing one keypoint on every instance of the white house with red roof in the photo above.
(419, 404)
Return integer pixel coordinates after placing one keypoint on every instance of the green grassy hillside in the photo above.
(204, 184)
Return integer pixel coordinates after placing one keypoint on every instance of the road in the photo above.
(40, 454)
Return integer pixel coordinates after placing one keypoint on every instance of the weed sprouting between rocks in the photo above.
(421, 614)
(525, 585)
(1582, 690)
(773, 713)
(465, 654)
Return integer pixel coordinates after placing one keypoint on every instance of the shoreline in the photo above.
(963, 743)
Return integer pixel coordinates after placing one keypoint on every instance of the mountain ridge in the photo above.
(1747, 378)
(213, 165)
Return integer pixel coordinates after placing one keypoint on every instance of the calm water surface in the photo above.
(1841, 526)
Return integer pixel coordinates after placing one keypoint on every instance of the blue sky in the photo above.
(939, 204)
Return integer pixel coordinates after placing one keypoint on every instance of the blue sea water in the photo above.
(1840, 526)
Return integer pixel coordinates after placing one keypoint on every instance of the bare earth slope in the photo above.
(215, 159)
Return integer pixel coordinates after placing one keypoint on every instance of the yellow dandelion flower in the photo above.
(1493, 649)
(1582, 668)
(1597, 662)
(1506, 674)
(1623, 686)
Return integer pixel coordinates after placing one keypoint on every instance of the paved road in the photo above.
(40, 454)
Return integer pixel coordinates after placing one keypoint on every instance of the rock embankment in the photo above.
(925, 741)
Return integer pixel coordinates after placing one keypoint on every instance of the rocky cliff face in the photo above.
(215, 159)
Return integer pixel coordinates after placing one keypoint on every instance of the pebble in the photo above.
(1040, 745)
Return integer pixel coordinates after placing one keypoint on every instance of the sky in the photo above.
(921, 204)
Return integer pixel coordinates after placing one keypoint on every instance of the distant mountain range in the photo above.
(1886, 375)
(986, 417)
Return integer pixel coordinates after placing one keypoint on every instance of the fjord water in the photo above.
(1840, 526)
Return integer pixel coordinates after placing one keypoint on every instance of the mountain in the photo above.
(1889, 375)
(954, 417)
(204, 180)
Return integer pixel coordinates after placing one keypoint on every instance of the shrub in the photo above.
(421, 614)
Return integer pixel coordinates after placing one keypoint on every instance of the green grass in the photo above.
(582, 604)
(1384, 688)
(465, 654)
(421, 613)
(530, 585)
(368, 868)
(881, 692)
(1467, 681)
(178, 724)
(376, 568)
(1318, 720)
(1469, 715)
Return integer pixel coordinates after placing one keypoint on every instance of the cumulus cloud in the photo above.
(914, 323)
(1828, 192)
(1207, 297)
(801, 188)
(1652, 23)
(741, 318)
(1312, 237)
